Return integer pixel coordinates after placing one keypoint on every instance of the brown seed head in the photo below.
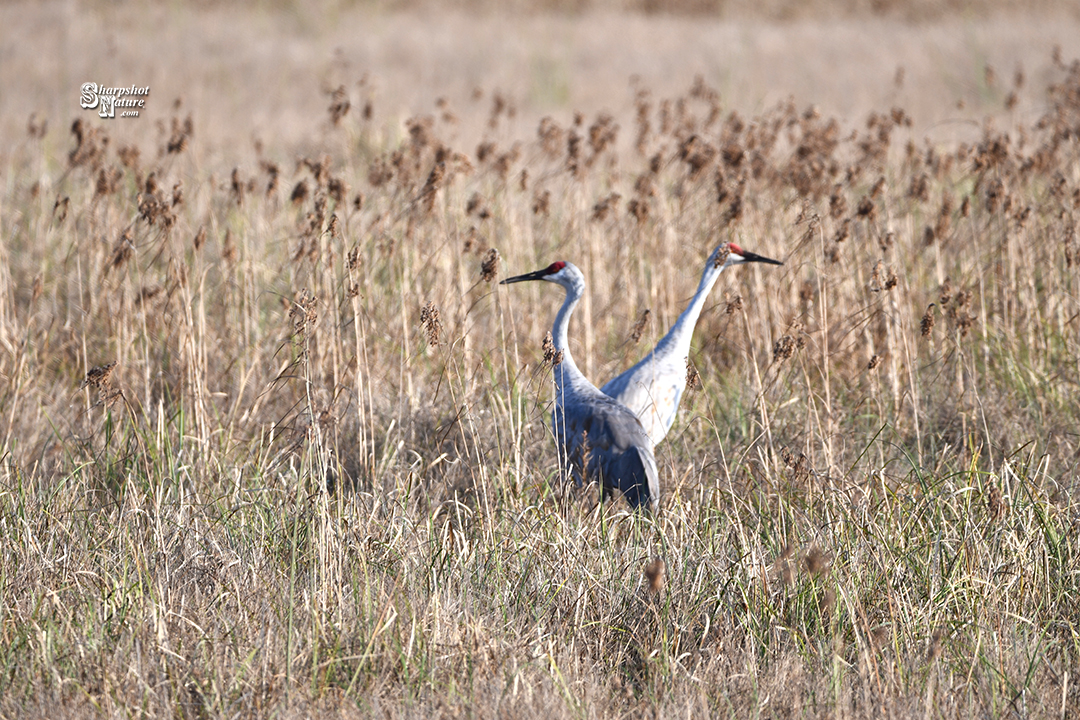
(722, 256)
(799, 464)
(551, 137)
(541, 202)
(99, 376)
(108, 182)
(783, 565)
(639, 326)
(273, 171)
(638, 209)
(60, 209)
(339, 105)
(552, 356)
(489, 268)
(300, 193)
(783, 348)
(602, 208)
(883, 277)
(181, 133)
(693, 380)
(380, 171)
(431, 322)
(656, 575)
(431, 186)
(573, 153)
(837, 202)
(603, 133)
(866, 209)
(303, 312)
(927, 323)
(122, 251)
(827, 603)
(237, 186)
(933, 647)
(34, 129)
(337, 189)
(228, 247)
(475, 201)
(995, 505)
(816, 561)
(879, 636)
(485, 150)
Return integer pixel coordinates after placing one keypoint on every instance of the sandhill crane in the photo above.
(653, 388)
(588, 423)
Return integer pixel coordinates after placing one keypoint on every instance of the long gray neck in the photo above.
(677, 340)
(567, 376)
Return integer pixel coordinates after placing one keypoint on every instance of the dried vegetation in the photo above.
(273, 442)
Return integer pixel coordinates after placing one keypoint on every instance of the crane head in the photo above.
(731, 254)
(551, 273)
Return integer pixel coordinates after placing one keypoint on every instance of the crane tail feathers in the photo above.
(640, 480)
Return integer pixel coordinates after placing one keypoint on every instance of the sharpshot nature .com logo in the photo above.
(130, 100)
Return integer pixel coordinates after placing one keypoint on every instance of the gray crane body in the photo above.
(593, 431)
(653, 388)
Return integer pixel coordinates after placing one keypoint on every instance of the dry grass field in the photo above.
(274, 442)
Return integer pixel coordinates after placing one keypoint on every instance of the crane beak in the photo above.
(538, 275)
(748, 256)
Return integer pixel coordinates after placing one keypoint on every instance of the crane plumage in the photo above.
(653, 388)
(594, 431)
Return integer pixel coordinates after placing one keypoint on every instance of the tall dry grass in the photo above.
(274, 441)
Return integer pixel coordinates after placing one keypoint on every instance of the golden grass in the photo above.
(273, 441)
